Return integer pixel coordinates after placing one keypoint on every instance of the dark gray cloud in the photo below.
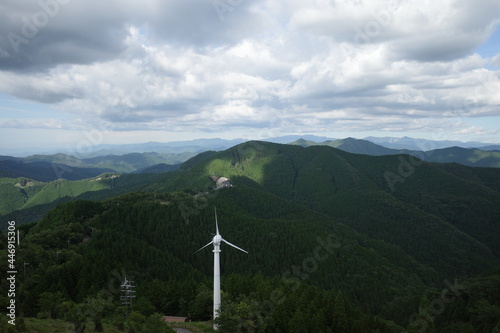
(200, 23)
(39, 35)
(36, 36)
(187, 64)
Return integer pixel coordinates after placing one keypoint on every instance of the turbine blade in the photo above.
(216, 222)
(225, 241)
(203, 247)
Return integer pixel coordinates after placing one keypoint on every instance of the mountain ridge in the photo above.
(383, 232)
(425, 144)
(51, 167)
(287, 171)
(55, 166)
(466, 156)
(199, 145)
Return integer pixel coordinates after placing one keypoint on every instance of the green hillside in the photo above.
(46, 172)
(420, 206)
(312, 263)
(21, 193)
(16, 192)
(147, 236)
(135, 161)
(465, 156)
(351, 145)
(340, 241)
(469, 157)
(31, 203)
(61, 166)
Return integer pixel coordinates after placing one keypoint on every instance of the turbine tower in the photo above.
(217, 240)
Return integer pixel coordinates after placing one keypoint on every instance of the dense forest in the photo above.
(337, 242)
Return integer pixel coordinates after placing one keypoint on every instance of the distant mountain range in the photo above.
(377, 230)
(328, 180)
(466, 156)
(51, 167)
(217, 144)
(200, 145)
(425, 145)
(156, 157)
(175, 147)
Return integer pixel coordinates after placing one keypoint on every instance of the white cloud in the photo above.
(475, 130)
(32, 123)
(176, 65)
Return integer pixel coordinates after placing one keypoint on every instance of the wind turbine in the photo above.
(217, 240)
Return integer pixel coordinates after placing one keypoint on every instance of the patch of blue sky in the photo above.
(491, 47)
(15, 108)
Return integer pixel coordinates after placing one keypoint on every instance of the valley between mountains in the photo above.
(338, 241)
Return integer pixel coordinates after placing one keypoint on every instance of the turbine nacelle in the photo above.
(217, 240)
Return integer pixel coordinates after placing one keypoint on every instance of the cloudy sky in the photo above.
(75, 73)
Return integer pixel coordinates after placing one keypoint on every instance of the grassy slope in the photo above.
(49, 195)
(21, 193)
(35, 325)
(44, 171)
(15, 192)
(59, 326)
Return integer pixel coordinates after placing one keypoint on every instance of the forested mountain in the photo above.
(45, 171)
(426, 144)
(174, 147)
(337, 242)
(352, 145)
(300, 262)
(470, 157)
(158, 168)
(136, 161)
(47, 168)
(373, 194)
(466, 156)
(27, 200)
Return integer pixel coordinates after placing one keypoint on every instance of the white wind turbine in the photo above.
(217, 240)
